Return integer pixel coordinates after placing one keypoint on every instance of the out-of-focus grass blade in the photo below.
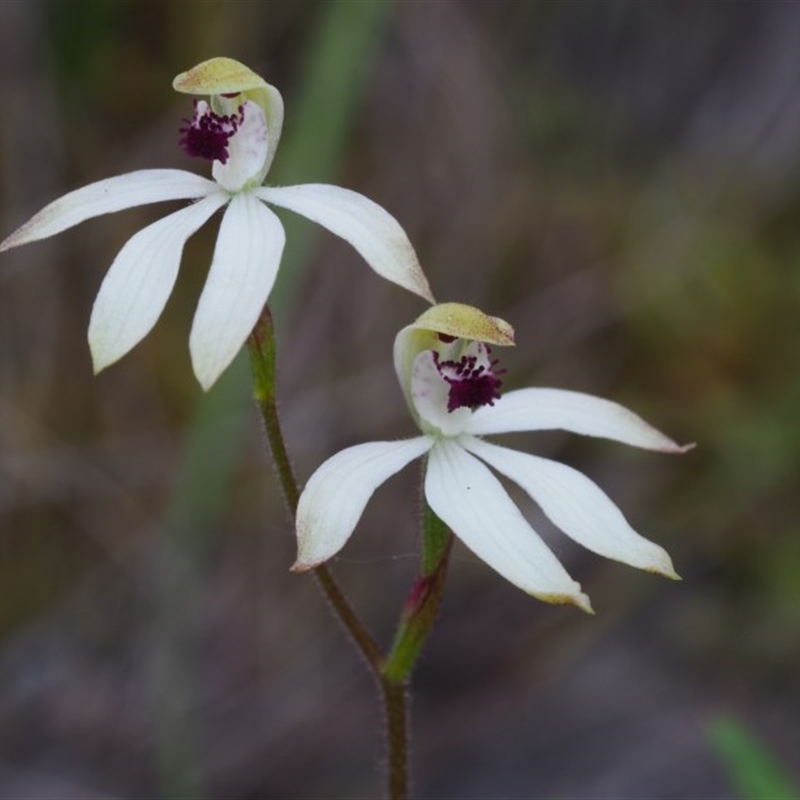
(317, 123)
(753, 771)
(198, 501)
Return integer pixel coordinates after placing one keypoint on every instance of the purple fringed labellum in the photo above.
(207, 134)
(473, 380)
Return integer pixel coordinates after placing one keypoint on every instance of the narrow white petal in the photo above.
(138, 284)
(246, 259)
(336, 494)
(112, 194)
(576, 505)
(374, 233)
(548, 409)
(471, 502)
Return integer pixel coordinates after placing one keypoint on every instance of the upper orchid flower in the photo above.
(239, 132)
(450, 381)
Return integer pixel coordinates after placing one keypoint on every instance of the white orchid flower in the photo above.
(451, 385)
(239, 133)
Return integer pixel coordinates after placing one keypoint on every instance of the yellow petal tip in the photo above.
(672, 575)
(578, 599)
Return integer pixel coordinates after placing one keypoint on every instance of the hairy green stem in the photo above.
(261, 345)
(395, 699)
(416, 620)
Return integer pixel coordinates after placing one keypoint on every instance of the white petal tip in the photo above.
(586, 606)
(578, 599)
(15, 239)
(202, 365)
(655, 560)
(666, 572)
(419, 286)
(304, 566)
(665, 445)
(206, 377)
(100, 360)
(673, 448)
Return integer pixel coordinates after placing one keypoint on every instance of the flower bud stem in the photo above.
(422, 602)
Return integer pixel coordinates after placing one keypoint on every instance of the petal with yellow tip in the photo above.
(465, 495)
(576, 505)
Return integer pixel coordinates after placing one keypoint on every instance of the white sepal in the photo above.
(138, 284)
(465, 495)
(336, 494)
(110, 195)
(374, 233)
(576, 505)
(246, 258)
(549, 409)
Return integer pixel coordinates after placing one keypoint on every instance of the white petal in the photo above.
(246, 259)
(113, 194)
(335, 496)
(374, 233)
(429, 393)
(576, 505)
(548, 409)
(472, 503)
(139, 282)
(247, 151)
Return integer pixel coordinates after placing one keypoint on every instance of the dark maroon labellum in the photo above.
(207, 134)
(472, 385)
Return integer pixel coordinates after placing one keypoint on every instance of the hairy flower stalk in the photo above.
(237, 130)
(391, 671)
(452, 387)
(261, 346)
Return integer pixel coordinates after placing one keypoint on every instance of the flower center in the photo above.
(207, 134)
(473, 380)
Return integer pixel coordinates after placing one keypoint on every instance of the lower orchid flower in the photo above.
(238, 132)
(452, 387)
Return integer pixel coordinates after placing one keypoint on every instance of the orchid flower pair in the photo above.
(443, 360)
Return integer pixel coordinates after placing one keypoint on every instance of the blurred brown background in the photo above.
(621, 181)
